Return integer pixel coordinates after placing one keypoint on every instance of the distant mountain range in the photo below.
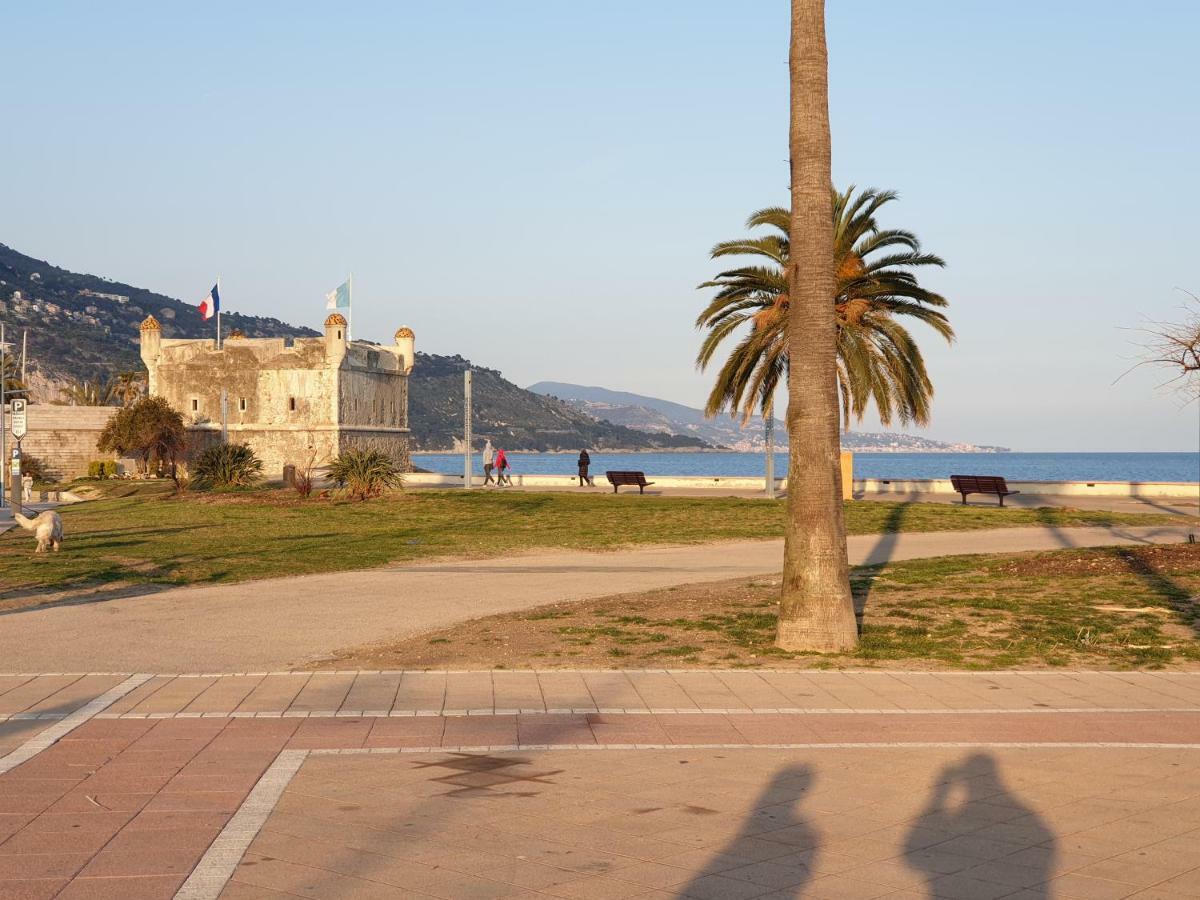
(658, 416)
(513, 418)
(84, 327)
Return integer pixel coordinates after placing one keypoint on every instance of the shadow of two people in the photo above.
(966, 797)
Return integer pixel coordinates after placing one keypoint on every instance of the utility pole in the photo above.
(769, 436)
(467, 429)
(3, 428)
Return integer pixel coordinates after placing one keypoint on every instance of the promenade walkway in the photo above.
(657, 784)
(237, 627)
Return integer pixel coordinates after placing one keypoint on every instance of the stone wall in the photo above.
(64, 437)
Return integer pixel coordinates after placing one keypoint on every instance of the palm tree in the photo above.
(877, 358)
(85, 393)
(128, 387)
(816, 609)
(12, 376)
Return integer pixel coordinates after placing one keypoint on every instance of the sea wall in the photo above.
(1180, 489)
(900, 487)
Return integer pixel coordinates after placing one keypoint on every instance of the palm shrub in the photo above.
(226, 466)
(365, 473)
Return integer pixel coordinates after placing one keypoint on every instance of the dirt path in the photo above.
(279, 623)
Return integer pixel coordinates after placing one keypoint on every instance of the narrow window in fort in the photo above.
(292, 404)
(242, 404)
(195, 405)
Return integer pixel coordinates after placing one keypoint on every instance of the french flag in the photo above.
(210, 305)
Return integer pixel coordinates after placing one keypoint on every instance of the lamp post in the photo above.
(467, 430)
(3, 427)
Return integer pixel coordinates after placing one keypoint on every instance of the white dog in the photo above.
(46, 527)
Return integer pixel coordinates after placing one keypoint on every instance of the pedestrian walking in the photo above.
(489, 462)
(502, 469)
(585, 480)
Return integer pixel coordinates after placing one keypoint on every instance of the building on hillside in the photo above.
(294, 401)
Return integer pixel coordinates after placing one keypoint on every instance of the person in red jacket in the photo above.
(502, 469)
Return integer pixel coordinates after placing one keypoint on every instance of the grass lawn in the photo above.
(1105, 608)
(139, 533)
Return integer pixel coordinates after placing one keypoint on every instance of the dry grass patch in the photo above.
(1111, 607)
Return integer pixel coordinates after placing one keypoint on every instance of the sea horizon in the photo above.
(1151, 466)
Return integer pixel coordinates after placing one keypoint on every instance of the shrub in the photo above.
(149, 429)
(226, 465)
(365, 473)
(302, 484)
(102, 468)
(34, 468)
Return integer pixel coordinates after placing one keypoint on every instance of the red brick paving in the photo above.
(125, 808)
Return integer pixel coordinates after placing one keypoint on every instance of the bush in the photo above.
(149, 429)
(226, 465)
(365, 473)
(102, 468)
(34, 468)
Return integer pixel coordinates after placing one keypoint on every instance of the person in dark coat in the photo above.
(584, 461)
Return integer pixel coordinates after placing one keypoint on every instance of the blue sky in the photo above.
(507, 178)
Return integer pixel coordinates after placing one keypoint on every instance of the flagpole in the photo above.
(349, 306)
(218, 312)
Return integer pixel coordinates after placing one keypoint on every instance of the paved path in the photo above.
(953, 785)
(25, 698)
(281, 623)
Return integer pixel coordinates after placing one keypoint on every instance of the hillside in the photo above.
(655, 416)
(512, 417)
(85, 327)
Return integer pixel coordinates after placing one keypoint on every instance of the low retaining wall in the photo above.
(1159, 489)
(63, 437)
(1181, 489)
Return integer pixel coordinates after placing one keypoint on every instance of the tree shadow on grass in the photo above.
(1179, 599)
(878, 557)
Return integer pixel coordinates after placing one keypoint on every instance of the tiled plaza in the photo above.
(567, 784)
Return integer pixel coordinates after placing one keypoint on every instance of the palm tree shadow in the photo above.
(986, 802)
(1178, 598)
(769, 816)
(879, 556)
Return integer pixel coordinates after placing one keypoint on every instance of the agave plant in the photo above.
(877, 359)
(365, 473)
(226, 465)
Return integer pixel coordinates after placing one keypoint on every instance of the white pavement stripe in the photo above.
(53, 733)
(217, 865)
(809, 673)
(639, 711)
(844, 745)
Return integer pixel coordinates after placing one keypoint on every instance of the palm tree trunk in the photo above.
(816, 608)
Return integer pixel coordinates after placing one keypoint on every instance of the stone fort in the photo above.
(297, 401)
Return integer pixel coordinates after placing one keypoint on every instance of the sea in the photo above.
(1013, 466)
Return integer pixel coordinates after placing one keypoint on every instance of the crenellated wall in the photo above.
(293, 402)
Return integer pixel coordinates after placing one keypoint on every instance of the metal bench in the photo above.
(616, 479)
(981, 484)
